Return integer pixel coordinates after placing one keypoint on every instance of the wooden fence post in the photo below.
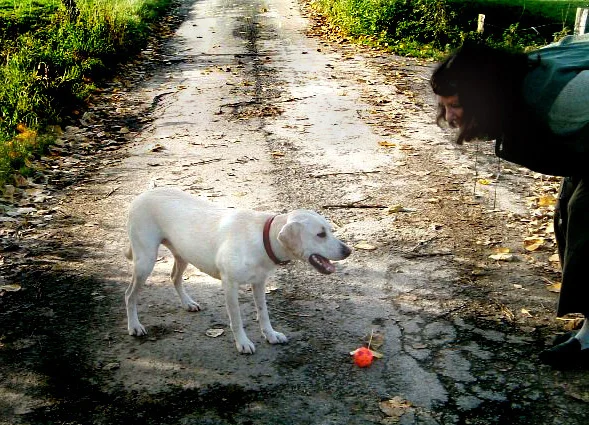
(481, 23)
(581, 20)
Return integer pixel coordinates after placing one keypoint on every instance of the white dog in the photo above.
(236, 246)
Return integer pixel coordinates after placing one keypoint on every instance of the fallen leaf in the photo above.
(376, 354)
(573, 324)
(546, 201)
(20, 180)
(10, 288)
(581, 396)
(554, 287)
(394, 209)
(214, 333)
(501, 257)
(484, 181)
(271, 288)
(516, 286)
(554, 258)
(502, 250)
(532, 243)
(9, 191)
(395, 407)
(276, 153)
(526, 313)
(365, 246)
(374, 340)
(399, 208)
(158, 148)
(387, 144)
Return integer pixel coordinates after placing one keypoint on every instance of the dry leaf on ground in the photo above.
(10, 288)
(364, 246)
(395, 407)
(398, 208)
(546, 201)
(214, 333)
(501, 257)
(532, 243)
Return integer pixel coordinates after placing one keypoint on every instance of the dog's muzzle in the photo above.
(322, 264)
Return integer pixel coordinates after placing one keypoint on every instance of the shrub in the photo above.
(416, 27)
(49, 64)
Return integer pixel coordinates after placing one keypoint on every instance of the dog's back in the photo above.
(191, 227)
(167, 208)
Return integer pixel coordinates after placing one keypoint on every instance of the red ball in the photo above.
(363, 357)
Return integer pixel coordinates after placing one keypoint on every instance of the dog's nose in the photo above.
(346, 251)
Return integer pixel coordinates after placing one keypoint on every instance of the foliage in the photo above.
(49, 65)
(413, 27)
(429, 28)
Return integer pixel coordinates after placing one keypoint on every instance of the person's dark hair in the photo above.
(488, 84)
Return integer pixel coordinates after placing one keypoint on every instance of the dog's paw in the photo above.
(276, 337)
(192, 306)
(245, 346)
(137, 330)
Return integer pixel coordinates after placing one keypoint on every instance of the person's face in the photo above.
(453, 109)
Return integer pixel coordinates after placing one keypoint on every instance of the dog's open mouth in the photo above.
(322, 264)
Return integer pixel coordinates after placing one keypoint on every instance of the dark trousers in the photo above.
(571, 228)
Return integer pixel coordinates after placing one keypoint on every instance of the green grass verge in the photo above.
(429, 28)
(49, 64)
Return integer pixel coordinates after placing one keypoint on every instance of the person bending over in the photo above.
(535, 107)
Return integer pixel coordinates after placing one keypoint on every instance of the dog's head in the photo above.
(308, 236)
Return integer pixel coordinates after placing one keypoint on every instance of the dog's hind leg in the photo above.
(179, 267)
(269, 333)
(142, 268)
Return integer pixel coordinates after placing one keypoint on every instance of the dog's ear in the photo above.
(290, 237)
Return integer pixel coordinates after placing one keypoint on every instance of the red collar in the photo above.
(268, 246)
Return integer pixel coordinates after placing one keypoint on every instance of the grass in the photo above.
(531, 21)
(560, 12)
(49, 64)
(428, 28)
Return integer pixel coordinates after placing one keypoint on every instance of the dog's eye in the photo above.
(322, 234)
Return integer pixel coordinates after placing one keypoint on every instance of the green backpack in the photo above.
(532, 143)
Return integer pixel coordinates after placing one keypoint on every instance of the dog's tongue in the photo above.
(322, 264)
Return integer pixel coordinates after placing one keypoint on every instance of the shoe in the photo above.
(559, 339)
(565, 355)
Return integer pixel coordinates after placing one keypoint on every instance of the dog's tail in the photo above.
(128, 252)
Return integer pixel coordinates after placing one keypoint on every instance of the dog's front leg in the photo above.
(269, 333)
(244, 345)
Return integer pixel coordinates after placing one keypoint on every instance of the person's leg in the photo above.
(573, 241)
(572, 236)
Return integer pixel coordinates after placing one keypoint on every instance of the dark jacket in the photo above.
(529, 141)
